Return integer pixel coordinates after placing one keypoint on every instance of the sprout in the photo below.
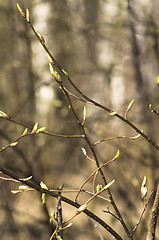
(84, 151)
(20, 10)
(113, 113)
(82, 208)
(13, 144)
(35, 128)
(117, 154)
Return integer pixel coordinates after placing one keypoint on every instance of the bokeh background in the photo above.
(111, 51)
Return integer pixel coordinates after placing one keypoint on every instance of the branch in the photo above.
(153, 217)
(64, 199)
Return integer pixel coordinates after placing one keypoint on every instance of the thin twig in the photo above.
(142, 213)
(64, 199)
(108, 211)
(153, 217)
(114, 138)
(93, 173)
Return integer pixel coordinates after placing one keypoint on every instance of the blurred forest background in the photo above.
(110, 48)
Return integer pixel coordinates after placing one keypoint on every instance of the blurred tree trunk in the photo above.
(144, 96)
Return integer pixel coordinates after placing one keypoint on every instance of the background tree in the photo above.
(110, 50)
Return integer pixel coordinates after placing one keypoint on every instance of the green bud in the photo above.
(35, 128)
(20, 10)
(13, 144)
(109, 184)
(84, 151)
(40, 129)
(117, 154)
(42, 185)
(43, 197)
(113, 113)
(99, 188)
(82, 208)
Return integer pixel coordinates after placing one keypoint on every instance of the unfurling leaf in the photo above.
(3, 115)
(52, 216)
(51, 67)
(64, 72)
(13, 144)
(27, 15)
(20, 10)
(14, 192)
(28, 178)
(113, 113)
(57, 76)
(40, 129)
(150, 106)
(137, 136)
(43, 197)
(117, 154)
(23, 188)
(109, 184)
(99, 188)
(25, 131)
(35, 128)
(69, 225)
(143, 188)
(82, 208)
(84, 151)
(130, 105)
(43, 185)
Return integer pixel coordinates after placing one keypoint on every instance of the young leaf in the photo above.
(40, 129)
(51, 68)
(28, 178)
(57, 76)
(35, 128)
(43, 197)
(82, 208)
(25, 131)
(14, 192)
(137, 136)
(27, 15)
(20, 10)
(64, 72)
(42, 185)
(84, 151)
(130, 105)
(99, 188)
(52, 216)
(23, 188)
(13, 144)
(3, 115)
(113, 113)
(109, 184)
(117, 154)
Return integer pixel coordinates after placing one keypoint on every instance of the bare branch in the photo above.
(153, 218)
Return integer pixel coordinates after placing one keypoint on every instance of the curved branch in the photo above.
(64, 199)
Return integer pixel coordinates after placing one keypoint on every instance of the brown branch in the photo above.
(43, 132)
(142, 213)
(64, 199)
(153, 217)
(113, 138)
(59, 80)
(93, 173)
(53, 61)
